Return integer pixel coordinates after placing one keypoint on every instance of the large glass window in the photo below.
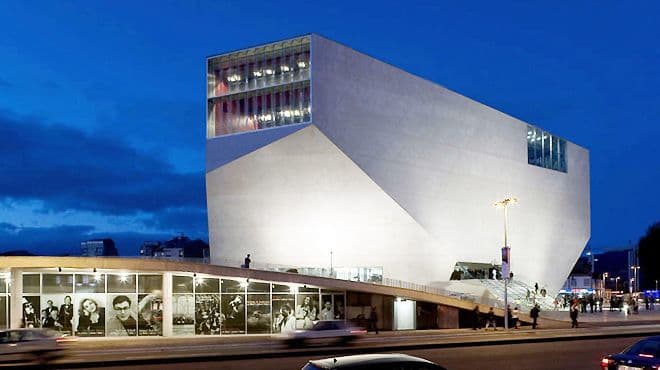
(545, 150)
(259, 88)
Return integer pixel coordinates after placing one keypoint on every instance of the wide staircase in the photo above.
(519, 294)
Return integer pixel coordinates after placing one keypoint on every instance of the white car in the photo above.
(384, 361)
(42, 345)
(324, 332)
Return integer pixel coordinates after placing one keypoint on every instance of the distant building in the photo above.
(98, 248)
(178, 248)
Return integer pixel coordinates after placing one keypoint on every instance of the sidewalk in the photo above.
(606, 318)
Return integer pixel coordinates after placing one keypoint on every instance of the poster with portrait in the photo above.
(183, 314)
(89, 317)
(307, 310)
(31, 312)
(258, 314)
(208, 314)
(150, 314)
(58, 312)
(327, 309)
(233, 309)
(340, 308)
(121, 319)
(284, 318)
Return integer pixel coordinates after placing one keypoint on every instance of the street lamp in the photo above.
(635, 268)
(616, 283)
(506, 267)
(605, 276)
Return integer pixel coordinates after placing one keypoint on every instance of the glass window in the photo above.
(31, 283)
(182, 284)
(207, 285)
(57, 283)
(255, 286)
(545, 150)
(90, 283)
(232, 286)
(121, 283)
(149, 283)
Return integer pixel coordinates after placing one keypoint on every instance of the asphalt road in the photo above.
(564, 355)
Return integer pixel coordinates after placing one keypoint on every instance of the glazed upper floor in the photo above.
(260, 87)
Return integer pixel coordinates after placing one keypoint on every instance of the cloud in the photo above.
(192, 221)
(59, 240)
(67, 169)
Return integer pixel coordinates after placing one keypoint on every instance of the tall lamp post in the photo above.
(616, 283)
(506, 255)
(635, 285)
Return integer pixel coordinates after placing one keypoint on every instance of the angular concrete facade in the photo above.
(394, 171)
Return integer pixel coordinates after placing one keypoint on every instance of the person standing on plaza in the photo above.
(475, 317)
(574, 316)
(534, 314)
(490, 319)
(247, 261)
(515, 321)
(373, 319)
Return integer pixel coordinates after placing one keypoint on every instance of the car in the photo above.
(324, 332)
(31, 344)
(385, 361)
(642, 355)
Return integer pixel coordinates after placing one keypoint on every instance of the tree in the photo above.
(649, 257)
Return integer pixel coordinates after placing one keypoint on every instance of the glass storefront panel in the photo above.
(284, 318)
(307, 310)
(57, 283)
(207, 285)
(183, 314)
(182, 284)
(233, 309)
(121, 283)
(90, 283)
(208, 315)
(90, 317)
(31, 283)
(78, 304)
(4, 312)
(258, 314)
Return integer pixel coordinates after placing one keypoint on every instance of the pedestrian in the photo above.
(534, 314)
(536, 287)
(246, 262)
(574, 316)
(490, 319)
(373, 320)
(475, 318)
(514, 316)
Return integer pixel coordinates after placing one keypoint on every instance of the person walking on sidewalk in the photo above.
(490, 319)
(534, 314)
(475, 318)
(574, 316)
(514, 317)
(373, 320)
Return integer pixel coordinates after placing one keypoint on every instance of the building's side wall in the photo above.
(296, 200)
(446, 159)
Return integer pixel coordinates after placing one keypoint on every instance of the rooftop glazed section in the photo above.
(257, 88)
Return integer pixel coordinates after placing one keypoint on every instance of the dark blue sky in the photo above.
(102, 102)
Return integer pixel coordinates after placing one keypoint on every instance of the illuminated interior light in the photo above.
(244, 284)
(98, 277)
(123, 277)
(257, 73)
(269, 71)
(302, 64)
(285, 68)
(297, 113)
(265, 117)
(293, 288)
(199, 281)
(234, 78)
(286, 113)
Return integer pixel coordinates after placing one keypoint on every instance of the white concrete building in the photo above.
(315, 149)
